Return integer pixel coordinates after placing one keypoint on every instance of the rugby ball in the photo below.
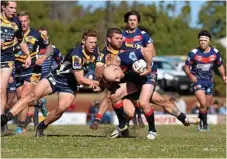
(139, 66)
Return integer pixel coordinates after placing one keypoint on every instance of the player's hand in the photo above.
(224, 78)
(27, 62)
(96, 89)
(95, 124)
(11, 79)
(193, 78)
(40, 60)
(146, 72)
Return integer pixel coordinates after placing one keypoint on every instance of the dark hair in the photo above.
(111, 31)
(23, 13)
(204, 33)
(89, 33)
(133, 12)
(5, 3)
(43, 29)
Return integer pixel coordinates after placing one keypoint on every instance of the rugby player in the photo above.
(26, 78)
(10, 32)
(146, 83)
(63, 80)
(134, 38)
(198, 67)
(48, 65)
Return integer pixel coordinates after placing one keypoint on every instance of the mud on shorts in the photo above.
(206, 86)
(62, 84)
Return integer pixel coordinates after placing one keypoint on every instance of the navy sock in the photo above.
(182, 117)
(150, 119)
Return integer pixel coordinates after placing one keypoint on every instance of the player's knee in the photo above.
(143, 104)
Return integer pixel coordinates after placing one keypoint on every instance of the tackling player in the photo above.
(63, 80)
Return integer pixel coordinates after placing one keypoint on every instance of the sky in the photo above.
(195, 6)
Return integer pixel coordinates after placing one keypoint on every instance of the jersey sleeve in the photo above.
(190, 58)
(218, 60)
(146, 38)
(77, 62)
(57, 55)
(100, 57)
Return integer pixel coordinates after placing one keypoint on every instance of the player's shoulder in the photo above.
(77, 50)
(194, 51)
(215, 50)
(15, 23)
(35, 32)
(142, 32)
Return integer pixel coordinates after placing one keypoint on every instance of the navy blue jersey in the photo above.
(35, 41)
(135, 40)
(10, 29)
(129, 57)
(77, 59)
(202, 63)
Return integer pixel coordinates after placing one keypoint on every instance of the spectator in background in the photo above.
(195, 110)
(93, 110)
(214, 107)
(222, 108)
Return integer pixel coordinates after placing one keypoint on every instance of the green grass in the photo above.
(80, 141)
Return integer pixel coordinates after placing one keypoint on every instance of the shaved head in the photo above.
(113, 73)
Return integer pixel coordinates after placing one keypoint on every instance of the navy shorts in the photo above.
(206, 86)
(62, 84)
(31, 75)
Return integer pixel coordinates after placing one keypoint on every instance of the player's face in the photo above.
(116, 40)
(90, 44)
(10, 9)
(132, 22)
(44, 33)
(24, 22)
(204, 43)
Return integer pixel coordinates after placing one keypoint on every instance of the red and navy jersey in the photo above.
(77, 59)
(10, 29)
(35, 41)
(202, 63)
(135, 40)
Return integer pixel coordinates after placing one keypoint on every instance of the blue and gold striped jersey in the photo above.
(35, 42)
(10, 29)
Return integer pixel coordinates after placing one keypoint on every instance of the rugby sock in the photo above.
(203, 117)
(182, 117)
(150, 119)
(118, 108)
(9, 116)
(28, 119)
(42, 125)
(21, 124)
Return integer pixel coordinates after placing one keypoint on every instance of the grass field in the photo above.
(80, 141)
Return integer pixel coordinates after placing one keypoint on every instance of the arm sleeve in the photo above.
(190, 59)
(218, 60)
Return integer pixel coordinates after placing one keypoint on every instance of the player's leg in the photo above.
(144, 103)
(65, 100)
(172, 109)
(5, 75)
(43, 88)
